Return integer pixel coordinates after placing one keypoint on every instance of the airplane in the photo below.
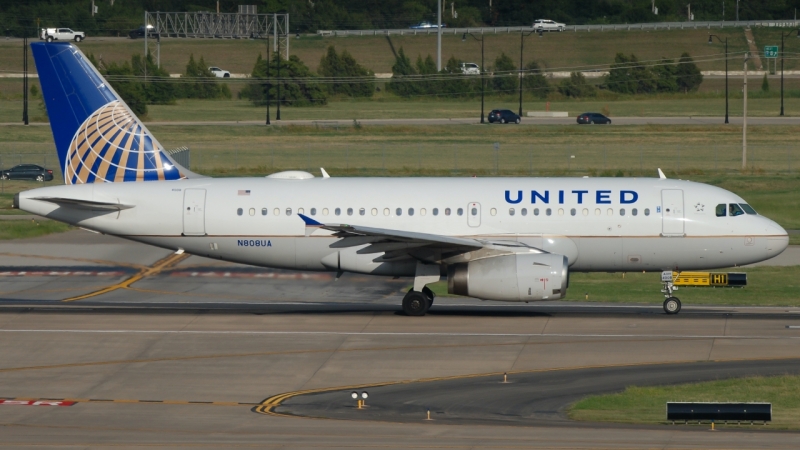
(502, 239)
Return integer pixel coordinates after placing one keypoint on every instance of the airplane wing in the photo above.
(398, 244)
(85, 204)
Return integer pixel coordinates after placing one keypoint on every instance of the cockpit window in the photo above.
(721, 210)
(748, 209)
(735, 210)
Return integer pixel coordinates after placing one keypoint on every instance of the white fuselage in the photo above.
(600, 224)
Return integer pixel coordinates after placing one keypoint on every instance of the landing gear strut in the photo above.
(417, 303)
(672, 305)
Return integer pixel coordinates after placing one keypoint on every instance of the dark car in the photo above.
(139, 32)
(27, 172)
(503, 116)
(593, 118)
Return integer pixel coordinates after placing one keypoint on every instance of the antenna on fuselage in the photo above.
(661, 174)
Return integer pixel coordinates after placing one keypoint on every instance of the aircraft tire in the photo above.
(415, 304)
(672, 305)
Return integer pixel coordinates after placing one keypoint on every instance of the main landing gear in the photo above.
(672, 305)
(417, 303)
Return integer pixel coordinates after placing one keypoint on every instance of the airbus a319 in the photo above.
(506, 239)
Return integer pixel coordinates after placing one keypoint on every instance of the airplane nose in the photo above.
(777, 241)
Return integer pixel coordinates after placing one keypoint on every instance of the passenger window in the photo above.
(362, 211)
(647, 211)
(493, 211)
(524, 211)
(313, 211)
(263, 211)
(460, 211)
(747, 208)
(721, 211)
(435, 211)
(349, 211)
(422, 212)
(410, 211)
(535, 211)
(276, 211)
(385, 211)
(301, 211)
(252, 211)
(474, 211)
(560, 211)
(634, 211)
(622, 211)
(735, 210)
(447, 211)
(597, 212)
(398, 212)
(572, 212)
(549, 211)
(374, 211)
(510, 211)
(288, 211)
(610, 212)
(324, 211)
(239, 212)
(337, 211)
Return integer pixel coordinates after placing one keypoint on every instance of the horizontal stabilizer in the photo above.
(84, 204)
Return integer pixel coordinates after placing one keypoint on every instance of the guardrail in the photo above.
(570, 28)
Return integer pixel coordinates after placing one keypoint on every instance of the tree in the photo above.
(131, 90)
(201, 83)
(664, 73)
(344, 66)
(628, 76)
(687, 74)
(765, 84)
(455, 83)
(505, 77)
(297, 84)
(402, 69)
(159, 89)
(535, 82)
(576, 86)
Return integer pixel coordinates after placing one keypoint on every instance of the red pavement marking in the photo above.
(36, 403)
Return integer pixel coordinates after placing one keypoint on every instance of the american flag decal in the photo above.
(244, 192)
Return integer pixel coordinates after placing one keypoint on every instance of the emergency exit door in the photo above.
(672, 216)
(474, 214)
(194, 214)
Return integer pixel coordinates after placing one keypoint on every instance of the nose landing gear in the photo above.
(672, 305)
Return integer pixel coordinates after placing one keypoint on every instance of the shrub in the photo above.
(343, 65)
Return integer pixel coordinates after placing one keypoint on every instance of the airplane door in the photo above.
(672, 212)
(194, 214)
(474, 214)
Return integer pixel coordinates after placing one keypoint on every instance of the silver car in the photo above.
(548, 25)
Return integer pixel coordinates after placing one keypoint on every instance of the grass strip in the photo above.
(24, 229)
(646, 405)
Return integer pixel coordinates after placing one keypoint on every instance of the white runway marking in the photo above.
(359, 333)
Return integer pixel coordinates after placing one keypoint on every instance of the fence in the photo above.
(483, 159)
(573, 28)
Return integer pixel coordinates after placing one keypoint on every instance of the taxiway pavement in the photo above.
(186, 357)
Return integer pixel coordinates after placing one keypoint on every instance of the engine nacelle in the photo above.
(518, 277)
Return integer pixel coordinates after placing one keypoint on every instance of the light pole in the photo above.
(710, 40)
(522, 36)
(464, 38)
(268, 84)
(783, 36)
(744, 115)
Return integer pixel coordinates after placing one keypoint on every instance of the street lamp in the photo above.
(783, 36)
(522, 35)
(464, 38)
(268, 84)
(710, 41)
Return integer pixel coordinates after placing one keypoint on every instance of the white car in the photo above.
(548, 25)
(219, 72)
(470, 69)
(425, 25)
(61, 34)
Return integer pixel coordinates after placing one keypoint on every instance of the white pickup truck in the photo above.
(61, 34)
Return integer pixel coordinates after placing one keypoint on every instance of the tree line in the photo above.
(120, 16)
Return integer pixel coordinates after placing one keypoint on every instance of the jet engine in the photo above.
(517, 277)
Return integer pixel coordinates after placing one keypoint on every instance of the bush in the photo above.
(203, 83)
(333, 65)
(628, 76)
(576, 86)
(535, 82)
(505, 78)
(401, 69)
(764, 84)
(159, 89)
(131, 90)
(687, 74)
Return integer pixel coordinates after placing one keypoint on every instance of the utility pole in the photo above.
(439, 36)
(268, 83)
(744, 116)
(25, 78)
(737, 10)
(146, 32)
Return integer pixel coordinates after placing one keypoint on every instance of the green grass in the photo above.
(766, 286)
(646, 405)
(24, 229)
